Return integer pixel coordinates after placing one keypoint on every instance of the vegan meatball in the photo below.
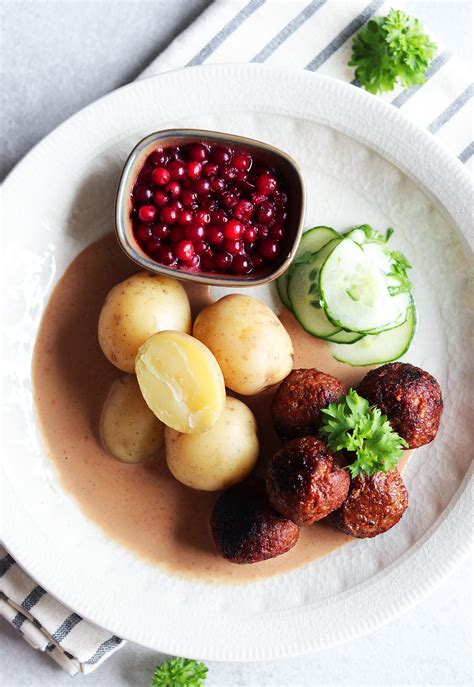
(246, 529)
(296, 406)
(304, 481)
(409, 397)
(374, 505)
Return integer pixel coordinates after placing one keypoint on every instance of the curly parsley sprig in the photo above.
(391, 48)
(180, 672)
(355, 426)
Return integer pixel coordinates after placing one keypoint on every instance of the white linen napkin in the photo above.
(314, 35)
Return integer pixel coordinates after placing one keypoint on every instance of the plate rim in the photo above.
(460, 184)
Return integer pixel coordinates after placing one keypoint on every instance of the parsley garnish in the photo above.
(389, 49)
(399, 268)
(179, 672)
(355, 426)
(372, 234)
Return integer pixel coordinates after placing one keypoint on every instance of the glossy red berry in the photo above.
(173, 189)
(166, 255)
(243, 210)
(160, 231)
(233, 229)
(193, 170)
(184, 250)
(169, 214)
(195, 232)
(147, 213)
(142, 194)
(269, 249)
(242, 162)
(222, 261)
(241, 264)
(234, 246)
(160, 176)
(266, 184)
(214, 235)
(177, 170)
(143, 232)
(198, 152)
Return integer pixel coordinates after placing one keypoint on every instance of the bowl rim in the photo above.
(128, 178)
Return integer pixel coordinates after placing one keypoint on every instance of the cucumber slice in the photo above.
(357, 235)
(314, 239)
(344, 337)
(311, 242)
(375, 349)
(304, 295)
(354, 290)
(380, 254)
(282, 288)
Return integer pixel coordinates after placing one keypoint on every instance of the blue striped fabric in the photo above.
(329, 26)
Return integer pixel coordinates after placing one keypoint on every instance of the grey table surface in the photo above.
(55, 58)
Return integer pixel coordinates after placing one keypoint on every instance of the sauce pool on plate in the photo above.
(142, 506)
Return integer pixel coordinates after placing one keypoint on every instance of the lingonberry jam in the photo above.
(211, 208)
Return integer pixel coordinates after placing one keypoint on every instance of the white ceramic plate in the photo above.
(363, 162)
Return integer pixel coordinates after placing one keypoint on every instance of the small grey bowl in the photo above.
(282, 162)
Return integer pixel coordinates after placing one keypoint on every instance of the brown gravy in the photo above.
(142, 506)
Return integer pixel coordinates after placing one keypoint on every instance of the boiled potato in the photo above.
(218, 458)
(181, 381)
(251, 345)
(129, 430)
(137, 308)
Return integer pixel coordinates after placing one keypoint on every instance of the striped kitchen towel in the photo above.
(314, 35)
(75, 644)
(317, 35)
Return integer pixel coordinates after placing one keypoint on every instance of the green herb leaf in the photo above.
(355, 426)
(180, 672)
(390, 50)
(398, 270)
(372, 234)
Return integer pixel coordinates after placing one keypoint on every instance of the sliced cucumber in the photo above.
(354, 290)
(311, 242)
(282, 288)
(380, 254)
(304, 295)
(381, 348)
(314, 239)
(344, 337)
(357, 235)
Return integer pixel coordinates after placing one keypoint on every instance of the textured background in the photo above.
(56, 57)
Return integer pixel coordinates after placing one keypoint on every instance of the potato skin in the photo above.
(304, 481)
(218, 458)
(129, 430)
(251, 345)
(246, 529)
(409, 397)
(297, 404)
(136, 308)
(374, 505)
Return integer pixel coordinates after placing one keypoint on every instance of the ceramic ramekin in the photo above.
(265, 153)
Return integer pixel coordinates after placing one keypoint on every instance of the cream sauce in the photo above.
(142, 506)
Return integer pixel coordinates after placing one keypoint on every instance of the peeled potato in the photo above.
(129, 430)
(218, 458)
(137, 308)
(181, 381)
(250, 343)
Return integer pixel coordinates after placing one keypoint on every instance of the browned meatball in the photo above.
(409, 397)
(246, 529)
(304, 481)
(296, 406)
(374, 505)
